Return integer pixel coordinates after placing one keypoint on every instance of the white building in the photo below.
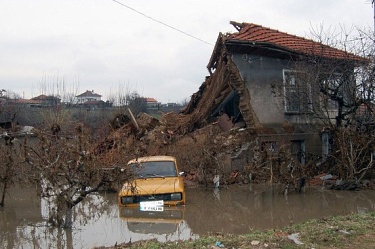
(88, 96)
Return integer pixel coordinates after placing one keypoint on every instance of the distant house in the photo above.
(27, 102)
(88, 96)
(43, 101)
(152, 103)
(91, 100)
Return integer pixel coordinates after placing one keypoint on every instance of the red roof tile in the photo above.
(254, 33)
(45, 97)
(151, 100)
(27, 101)
(40, 97)
(89, 94)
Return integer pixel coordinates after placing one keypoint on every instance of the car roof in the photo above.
(152, 158)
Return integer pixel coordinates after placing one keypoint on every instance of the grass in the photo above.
(350, 231)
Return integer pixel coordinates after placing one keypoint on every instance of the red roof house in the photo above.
(268, 81)
(88, 96)
(257, 36)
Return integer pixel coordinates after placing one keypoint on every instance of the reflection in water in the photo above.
(241, 209)
(236, 209)
(166, 225)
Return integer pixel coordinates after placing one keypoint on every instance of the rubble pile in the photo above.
(213, 135)
(200, 152)
(206, 139)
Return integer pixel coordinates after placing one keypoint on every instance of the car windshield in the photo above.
(154, 169)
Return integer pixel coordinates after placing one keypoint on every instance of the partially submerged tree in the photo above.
(67, 170)
(61, 159)
(8, 155)
(10, 148)
(9, 109)
(64, 164)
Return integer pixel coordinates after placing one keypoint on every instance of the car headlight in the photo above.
(176, 196)
(126, 200)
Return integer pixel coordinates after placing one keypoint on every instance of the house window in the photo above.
(298, 150)
(297, 92)
(270, 146)
(331, 88)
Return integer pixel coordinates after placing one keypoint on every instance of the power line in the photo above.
(160, 22)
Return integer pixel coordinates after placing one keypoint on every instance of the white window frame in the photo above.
(301, 104)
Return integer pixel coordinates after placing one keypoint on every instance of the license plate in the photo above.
(151, 205)
(154, 209)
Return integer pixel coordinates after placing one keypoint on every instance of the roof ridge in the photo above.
(286, 33)
(251, 32)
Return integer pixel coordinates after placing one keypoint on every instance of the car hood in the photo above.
(157, 185)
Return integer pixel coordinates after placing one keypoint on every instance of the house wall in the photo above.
(152, 105)
(260, 73)
(88, 98)
(263, 77)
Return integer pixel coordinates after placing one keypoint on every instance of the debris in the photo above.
(280, 234)
(133, 119)
(250, 177)
(344, 231)
(146, 121)
(346, 185)
(295, 238)
(219, 244)
(216, 181)
(326, 177)
(255, 243)
(233, 177)
(323, 179)
(225, 123)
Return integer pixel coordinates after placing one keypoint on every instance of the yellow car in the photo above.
(156, 179)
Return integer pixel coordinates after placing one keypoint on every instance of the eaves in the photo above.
(260, 49)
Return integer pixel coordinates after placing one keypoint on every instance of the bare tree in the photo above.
(64, 163)
(127, 97)
(10, 147)
(340, 94)
(7, 167)
(9, 108)
(67, 170)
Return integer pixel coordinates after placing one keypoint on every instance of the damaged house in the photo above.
(267, 81)
(257, 109)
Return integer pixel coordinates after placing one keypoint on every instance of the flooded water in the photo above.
(236, 210)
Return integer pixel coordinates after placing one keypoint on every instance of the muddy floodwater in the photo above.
(234, 209)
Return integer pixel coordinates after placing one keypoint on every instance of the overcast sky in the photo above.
(158, 48)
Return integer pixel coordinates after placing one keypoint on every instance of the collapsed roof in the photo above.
(225, 90)
(222, 96)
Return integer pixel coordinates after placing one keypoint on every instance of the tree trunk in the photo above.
(3, 194)
(69, 238)
(68, 217)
